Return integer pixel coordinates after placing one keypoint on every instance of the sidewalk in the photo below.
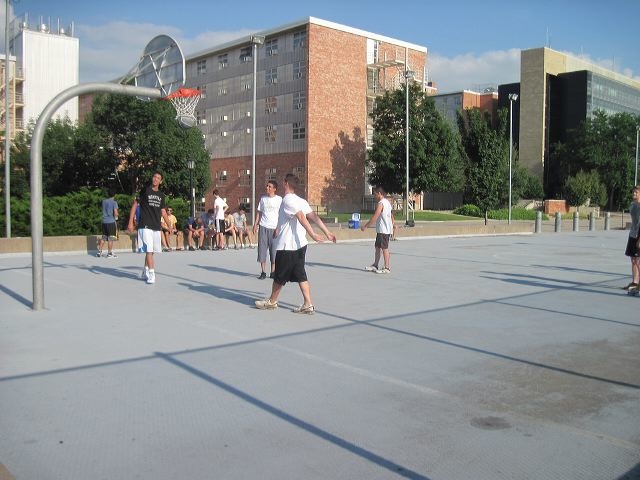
(478, 357)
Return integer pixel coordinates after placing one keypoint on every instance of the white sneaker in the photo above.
(266, 304)
(152, 277)
(383, 270)
(145, 273)
(371, 268)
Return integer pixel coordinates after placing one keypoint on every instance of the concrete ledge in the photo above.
(21, 246)
(64, 244)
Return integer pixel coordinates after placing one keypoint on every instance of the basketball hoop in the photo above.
(184, 101)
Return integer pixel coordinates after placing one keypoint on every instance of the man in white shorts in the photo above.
(291, 246)
(152, 209)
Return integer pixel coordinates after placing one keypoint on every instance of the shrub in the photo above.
(469, 210)
(516, 214)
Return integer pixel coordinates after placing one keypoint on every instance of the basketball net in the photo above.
(184, 100)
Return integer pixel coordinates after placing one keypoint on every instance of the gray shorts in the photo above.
(266, 244)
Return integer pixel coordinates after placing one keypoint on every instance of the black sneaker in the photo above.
(272, 274)
(262, 276)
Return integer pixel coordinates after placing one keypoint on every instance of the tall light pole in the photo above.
(408, 75)
(7, 126)
(635, 178)
(192, 193)
(256, 40)
(512, 98)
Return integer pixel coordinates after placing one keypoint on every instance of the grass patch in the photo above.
(422, 216)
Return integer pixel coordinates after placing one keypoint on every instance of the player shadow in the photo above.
(331, 265)
(243, 297)
(574, 269)
(548, 283)
(113, 271)
(213, 268)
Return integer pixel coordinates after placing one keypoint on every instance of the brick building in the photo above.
(316, 84)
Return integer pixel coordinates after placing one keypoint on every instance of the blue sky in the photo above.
(470, 43)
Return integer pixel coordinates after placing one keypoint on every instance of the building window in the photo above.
(299, 70)
(223, 61)
(201, 67)
(200, 118)
(270, 134)
(203, 90)
(271, 47)
(246, 82)
(221, 178)
(299, 131)
(299, 101)
(270, 105)
(270, 174)
(244, 178)
(222, 89)
(299, 172)
(245, 54)
(245, 202)
(299, 40)
(271, 76)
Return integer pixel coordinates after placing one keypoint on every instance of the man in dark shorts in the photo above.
(109, 230)
(291, 246)
(383, 216)
(633, 243)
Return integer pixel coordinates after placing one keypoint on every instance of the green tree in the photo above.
(435, 156)
(488, 154)
(605, 143)
(142, 137)
(583, 187)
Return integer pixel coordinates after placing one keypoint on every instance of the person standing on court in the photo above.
(109, 230)
(265, 224)
(152, 209)
(633, 243)
(383, 217)
(219, 207)
(291, 245)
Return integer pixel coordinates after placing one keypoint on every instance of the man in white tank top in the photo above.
(383, 216)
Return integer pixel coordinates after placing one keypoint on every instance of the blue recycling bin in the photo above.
(355, 220)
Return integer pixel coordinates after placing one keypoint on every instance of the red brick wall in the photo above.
(337, 117)
(283, 163)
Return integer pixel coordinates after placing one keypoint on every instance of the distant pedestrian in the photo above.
(152, 208)
(385, 223)
(633, 243)
(291, 245)
(264, 225)
(219, 207)
(109, 226)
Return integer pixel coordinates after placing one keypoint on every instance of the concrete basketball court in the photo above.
(482, 357)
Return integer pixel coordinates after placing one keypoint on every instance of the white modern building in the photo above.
(48, 57)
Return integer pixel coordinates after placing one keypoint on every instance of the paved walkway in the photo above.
(488, 357)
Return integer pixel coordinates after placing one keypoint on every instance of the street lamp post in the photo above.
(192, 193)
(7, 126)
(408, 75)
(512, 98)
(256, 40)
(635, 178)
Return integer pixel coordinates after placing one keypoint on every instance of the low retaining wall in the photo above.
(125, 243)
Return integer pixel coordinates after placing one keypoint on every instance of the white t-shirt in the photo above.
(218, 206)
(384, 223)
(291, 234)
(269, 208)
